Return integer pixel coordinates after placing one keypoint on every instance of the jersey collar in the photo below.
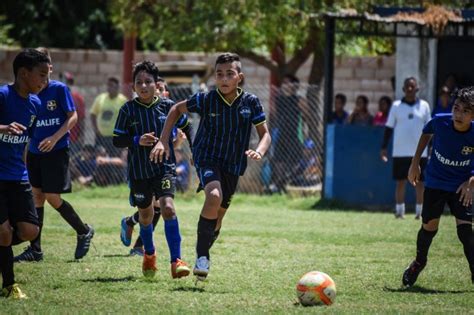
(239, 93)
(156, 99)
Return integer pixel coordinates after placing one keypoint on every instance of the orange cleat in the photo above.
(179, 269)
(149, 265)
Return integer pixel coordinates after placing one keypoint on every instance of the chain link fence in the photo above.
(292, 165)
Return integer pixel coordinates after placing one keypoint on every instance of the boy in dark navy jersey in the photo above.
(449, 179)
(138, 123)
(48, 165)
(221, 147)
(18, 111)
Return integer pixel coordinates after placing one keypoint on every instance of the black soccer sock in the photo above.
(466, 236)
(71, 217)
(6, 266)
(156, 218)
(36, 243)
(205, 234)
(132, 220)
(216, 235)
(423, 244)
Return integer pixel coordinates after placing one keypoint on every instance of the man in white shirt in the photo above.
(406, 120)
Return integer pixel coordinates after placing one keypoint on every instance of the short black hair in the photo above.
(147, 66)
(465, 96)
(410, 79)
(160, 79)
(364, 99)
(291, 77)
(29, 58)
(341, 97)
(386, 99)
(113, 79)
(229, 58)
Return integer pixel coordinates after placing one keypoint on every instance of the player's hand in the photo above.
(254, 155)
(47, 144)
(148, 139)
(384, 155)
(159, 151)
(465, 194)
(14, 129)
(414, 174)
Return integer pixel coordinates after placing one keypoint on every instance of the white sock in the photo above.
(400, 209)
(419, 207)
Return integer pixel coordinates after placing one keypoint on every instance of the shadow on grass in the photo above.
(188, 289)
(110, 280)
(423, 290)
(115, 255)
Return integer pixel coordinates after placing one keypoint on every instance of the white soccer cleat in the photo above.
(201, 268)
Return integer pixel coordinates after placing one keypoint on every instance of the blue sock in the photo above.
(173, 238)
(146, 233)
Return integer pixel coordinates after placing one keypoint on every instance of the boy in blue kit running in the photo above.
(449, 179)
(138, 121)
(221, 147)
(18, 111)
(48, 165)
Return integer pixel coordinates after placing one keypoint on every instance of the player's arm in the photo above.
(162, 147)
(122, 138)
(465, 191)
(414, 172)
(387, 134)
(187, 128)
(47, 144)
(263, 144)
(13, 128)
(94, 113)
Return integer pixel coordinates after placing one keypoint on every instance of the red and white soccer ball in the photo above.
(316, 288)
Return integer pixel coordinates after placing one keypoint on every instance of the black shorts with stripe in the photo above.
(434, 201)
(143, 190)
(227, 180)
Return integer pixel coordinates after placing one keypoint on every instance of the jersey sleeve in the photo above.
(391, 121)
(65, 97)
(430, 126)
(258, 116)
(195, 103)
(182, 122)
(122, 123)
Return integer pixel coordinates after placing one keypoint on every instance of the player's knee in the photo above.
(5, 235)
(168, 211)
(39, 199)
(214, 198)
(146, 215)
(431, 225)
(28, 232)
(54, 200)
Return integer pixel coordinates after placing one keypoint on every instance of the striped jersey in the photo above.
(224, 129)
(135, 119)
(14, 108)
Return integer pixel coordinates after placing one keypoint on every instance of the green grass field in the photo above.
(267, 243)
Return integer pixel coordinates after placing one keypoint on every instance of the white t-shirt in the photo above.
(407, 122)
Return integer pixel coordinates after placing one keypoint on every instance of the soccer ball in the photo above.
(316, 288)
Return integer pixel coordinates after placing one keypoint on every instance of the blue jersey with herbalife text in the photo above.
(56, 102)
(14, 108)
(451, 161)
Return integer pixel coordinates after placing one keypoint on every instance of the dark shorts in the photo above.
(401, 165)
(227, 180)
(16, 203)
(50, 171)
(143, 190)
(435, 200)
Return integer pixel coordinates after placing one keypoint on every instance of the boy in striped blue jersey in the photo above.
(221, 146)
(138, 122)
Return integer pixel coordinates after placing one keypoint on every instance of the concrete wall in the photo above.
(353, 76)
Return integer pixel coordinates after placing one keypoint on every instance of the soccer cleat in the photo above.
(125, 232)
(411, 273)
(137, 251)
(29, 255)
(149, 265)
(201, 268)
(179, 269)
(84, 243)
(13, 292)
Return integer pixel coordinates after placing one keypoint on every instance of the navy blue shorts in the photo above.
(435, 200)
(227, 180)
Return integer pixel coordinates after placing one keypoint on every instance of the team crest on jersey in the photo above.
(466, 150)
(245, 112)
(32, 119)
(51, 105)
